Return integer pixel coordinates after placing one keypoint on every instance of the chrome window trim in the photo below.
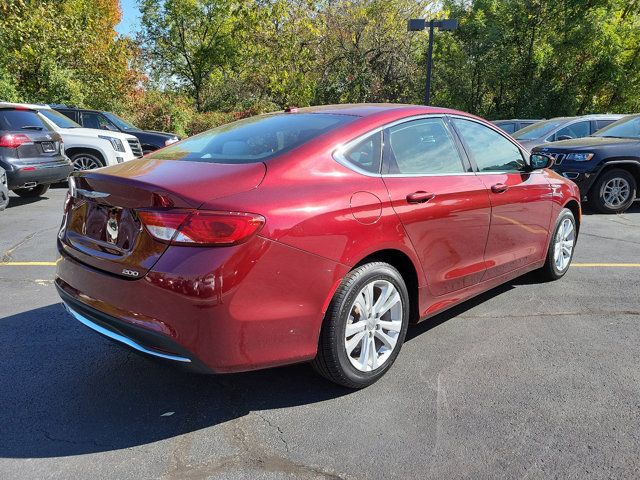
(121, 338)
(338, 152)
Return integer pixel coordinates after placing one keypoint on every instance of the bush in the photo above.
(155, 110)
(201, 122)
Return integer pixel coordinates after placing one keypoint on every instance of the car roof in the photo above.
(371, 109)
(30, 106)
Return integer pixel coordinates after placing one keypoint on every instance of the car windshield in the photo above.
(537, 130)
(628, 127)
(58, 118)
(254, 139)
(120, 123)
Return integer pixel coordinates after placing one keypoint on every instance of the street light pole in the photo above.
(427, 89)
(418, 24)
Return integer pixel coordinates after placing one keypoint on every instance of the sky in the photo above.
(130, 18)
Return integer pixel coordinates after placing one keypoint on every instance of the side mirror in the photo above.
(564, 137)
(538, 161)
(107, 127)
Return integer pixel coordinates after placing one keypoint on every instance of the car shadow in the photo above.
(15, 201)
(66, 391)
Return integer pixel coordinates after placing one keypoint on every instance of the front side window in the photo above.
(120, 123)
(537, 130)
(422, 146)
(491, 151)
(254, 139)
(95, 120)
(575, 130)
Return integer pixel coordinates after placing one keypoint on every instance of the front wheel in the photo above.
(85, 161)
(613, 192)
(561, 247)
(32, 192)
(364, 327)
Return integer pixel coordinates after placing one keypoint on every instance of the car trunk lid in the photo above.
(102, 227)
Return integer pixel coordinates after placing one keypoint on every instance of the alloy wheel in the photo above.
(374, 325)
(564, 242)
(82, 162)
(616, 192)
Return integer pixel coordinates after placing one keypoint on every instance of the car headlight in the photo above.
(116, 143)
(171, 140)
(580, 157)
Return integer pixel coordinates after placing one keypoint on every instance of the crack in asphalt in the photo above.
(51, 438)
(556, 314)
(603, 237)
(7, 256)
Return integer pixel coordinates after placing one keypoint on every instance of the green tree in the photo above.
(185, 42)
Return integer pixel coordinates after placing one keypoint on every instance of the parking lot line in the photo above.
(579, 265)
(28, 264)
(613, 265)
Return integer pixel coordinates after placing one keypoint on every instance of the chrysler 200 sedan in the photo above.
(316, 234)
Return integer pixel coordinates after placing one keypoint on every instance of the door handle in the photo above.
(499, 188)
(420, 197)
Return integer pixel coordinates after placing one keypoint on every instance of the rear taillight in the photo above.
(180, 227)
(14, 140)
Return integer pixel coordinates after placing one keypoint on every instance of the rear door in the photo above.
(443, 206)
(521, 201)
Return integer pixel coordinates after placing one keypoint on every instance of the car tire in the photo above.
(558, 258)
(85, 161)
(613, 192)
(4, 191)
(354, 303)
(32, 192)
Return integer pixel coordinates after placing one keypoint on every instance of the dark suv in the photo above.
(605, 165)
(150, 140)
(31, 153)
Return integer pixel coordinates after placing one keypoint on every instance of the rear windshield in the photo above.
(537, 130)
(21, 120)
(254, 139)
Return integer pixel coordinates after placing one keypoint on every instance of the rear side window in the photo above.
(490, 150)
(254, 139)
(21, 120)
(366, 154)
(421, 147)
(603, 123)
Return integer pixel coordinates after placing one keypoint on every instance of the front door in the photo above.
(521, 200)
(443, 207)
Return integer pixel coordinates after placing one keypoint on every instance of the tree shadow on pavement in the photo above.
(66, 391)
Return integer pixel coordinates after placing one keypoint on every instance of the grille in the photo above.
(558, 157)
(135, 147)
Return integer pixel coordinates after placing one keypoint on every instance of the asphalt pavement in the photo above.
(530, 380)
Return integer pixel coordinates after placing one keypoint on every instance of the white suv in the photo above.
(88, 148)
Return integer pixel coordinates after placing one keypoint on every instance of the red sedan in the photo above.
(315, 235)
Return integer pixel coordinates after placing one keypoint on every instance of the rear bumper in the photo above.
(27, 175)
(229, 309)
(142, 340)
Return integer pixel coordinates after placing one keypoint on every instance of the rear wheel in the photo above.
(561, 247)
(32, 192)
(85, 161)
(364, 327)
(613, 192)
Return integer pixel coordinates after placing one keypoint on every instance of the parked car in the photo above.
(4, 190)
(31, 152)
(88, 148)
(150, 140)
(514, 124)
(606, 165)
(316, 235)
(562, 128)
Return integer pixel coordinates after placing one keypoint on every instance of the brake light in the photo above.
(14, 140)
(188, 227)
